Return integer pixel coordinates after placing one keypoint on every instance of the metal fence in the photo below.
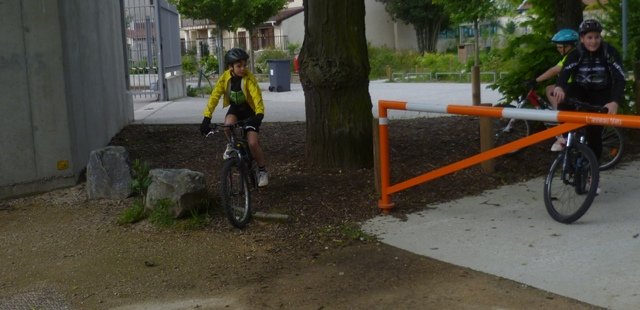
(152, 44)
(207, 45)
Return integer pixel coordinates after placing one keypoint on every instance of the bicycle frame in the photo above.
(240, 148)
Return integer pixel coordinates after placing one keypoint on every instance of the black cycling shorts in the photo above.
(242, 112)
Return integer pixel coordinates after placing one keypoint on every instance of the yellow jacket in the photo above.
(249, 86)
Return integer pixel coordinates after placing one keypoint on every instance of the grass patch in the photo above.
(196, 221)
(161, 216)
(346, 231)
(133, 214)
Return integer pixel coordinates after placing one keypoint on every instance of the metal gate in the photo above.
(153, 46)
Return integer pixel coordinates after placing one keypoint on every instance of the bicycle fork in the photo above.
(573, 166)
(567, 172)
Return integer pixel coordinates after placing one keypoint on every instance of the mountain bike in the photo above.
(239, 174)
(508, 130)
(572, 181)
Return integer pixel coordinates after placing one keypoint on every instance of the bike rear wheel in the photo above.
(506, 130)
(235, 192)
(571, 184)
(612, 147)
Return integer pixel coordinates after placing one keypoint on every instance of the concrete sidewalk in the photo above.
(289, 106)
(507, 231)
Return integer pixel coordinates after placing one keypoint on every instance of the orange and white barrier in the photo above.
(569, 120)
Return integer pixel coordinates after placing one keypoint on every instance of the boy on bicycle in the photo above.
(565, 41)
(241, 93)
(592, 73)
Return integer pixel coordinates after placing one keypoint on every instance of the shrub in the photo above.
(263, 56)
(189, 64)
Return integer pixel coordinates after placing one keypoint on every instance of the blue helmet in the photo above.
(565, 36)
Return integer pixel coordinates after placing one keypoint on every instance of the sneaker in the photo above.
(263, 178)
(559, 144)
(589, 186)
(227, 152)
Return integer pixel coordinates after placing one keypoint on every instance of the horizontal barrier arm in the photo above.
(570, 120)
(478, 158)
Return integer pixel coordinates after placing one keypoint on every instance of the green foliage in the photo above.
(141, 179)
(133, 214)
(209, 65)
(409, 61)
(259, 12)
(527, 56)
(261, 60)
(192, 91)
(473, 10)
(141, 67)
(196, 221)
(161, 215)
(293, 48)
(629, 105)
(189, 64)
(228, 14)
(524, 59)
(612, 25)
(425, 16)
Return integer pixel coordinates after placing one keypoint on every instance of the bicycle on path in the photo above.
(239, 174)
(572, 182)
(508, 130)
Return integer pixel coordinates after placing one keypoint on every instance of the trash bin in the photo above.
(279, 75)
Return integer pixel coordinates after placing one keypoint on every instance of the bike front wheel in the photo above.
(571, 184)
(612, 147)
(235, 192)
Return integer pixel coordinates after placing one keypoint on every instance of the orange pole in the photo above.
(616, 120)
(478, 158)
(495, 112)
(385, 203)
(571, 120)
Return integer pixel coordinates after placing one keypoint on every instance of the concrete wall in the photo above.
(63, 89)
(380, 29)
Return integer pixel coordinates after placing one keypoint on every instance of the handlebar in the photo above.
(217, 127)
(584, 106)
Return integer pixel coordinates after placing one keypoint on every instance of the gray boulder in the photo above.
(108, 173)
(185, 189)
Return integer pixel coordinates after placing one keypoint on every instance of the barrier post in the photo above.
(486, 140)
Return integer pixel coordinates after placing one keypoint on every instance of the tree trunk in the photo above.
(334, 72)
(636, 75)
(568, 14)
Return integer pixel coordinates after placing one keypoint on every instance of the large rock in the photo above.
(108, 173)
(184, 188)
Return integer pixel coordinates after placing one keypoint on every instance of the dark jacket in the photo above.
(599, 71)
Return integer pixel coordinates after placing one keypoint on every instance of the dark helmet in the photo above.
(565, 36)
(235, 54)
(590, 25)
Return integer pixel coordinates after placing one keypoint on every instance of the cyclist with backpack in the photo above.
(241, 93)
(592, 73)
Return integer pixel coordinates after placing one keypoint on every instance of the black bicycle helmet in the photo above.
(235, 54)
(565, 36)
(590, 25)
